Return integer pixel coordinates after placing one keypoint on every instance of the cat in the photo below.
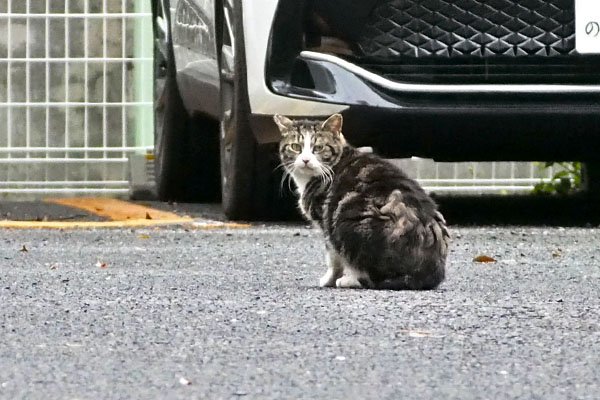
(382, 231)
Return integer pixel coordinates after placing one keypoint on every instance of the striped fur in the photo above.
(382, 230)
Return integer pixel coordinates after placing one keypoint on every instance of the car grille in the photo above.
(475, 41)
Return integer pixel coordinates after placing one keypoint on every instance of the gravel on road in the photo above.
(227, 314)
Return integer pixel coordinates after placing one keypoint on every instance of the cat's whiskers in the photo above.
(326, 174)
(329, 173)
(287, 168)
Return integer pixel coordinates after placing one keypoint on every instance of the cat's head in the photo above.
(310, 147)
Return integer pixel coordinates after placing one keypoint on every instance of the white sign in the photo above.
(587, 26)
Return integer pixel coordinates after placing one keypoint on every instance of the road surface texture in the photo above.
(188, 313)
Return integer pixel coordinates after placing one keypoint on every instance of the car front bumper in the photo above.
(456, 122)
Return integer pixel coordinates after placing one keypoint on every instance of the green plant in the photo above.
(567, 180)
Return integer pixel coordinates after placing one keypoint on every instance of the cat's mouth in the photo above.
(306, 169)
(304, 166)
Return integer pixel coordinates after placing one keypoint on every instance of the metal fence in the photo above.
(477, 177)
(76, 100)
(75, 94)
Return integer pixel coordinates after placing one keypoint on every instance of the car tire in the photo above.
(186, 147)
(249, 185)
(590, 179)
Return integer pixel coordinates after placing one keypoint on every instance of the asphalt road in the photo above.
(236, 313)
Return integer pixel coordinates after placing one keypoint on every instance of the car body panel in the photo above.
(196, 56)
(257, 28)
(196, 59)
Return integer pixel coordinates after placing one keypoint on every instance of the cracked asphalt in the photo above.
(178, 313)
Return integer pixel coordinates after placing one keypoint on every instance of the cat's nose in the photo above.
(305, 160)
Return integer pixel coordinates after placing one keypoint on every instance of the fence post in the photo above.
(143, 76)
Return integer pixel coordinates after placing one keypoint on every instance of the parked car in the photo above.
(449, 80)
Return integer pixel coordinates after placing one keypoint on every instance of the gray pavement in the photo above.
(230, 314)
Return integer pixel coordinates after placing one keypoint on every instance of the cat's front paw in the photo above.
(327, 280)
(348, 282)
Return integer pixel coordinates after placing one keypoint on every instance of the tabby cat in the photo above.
(382, 230)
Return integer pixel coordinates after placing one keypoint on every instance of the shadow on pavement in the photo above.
(470, 210)
(520, 210)
(458, 210)
(43, 211)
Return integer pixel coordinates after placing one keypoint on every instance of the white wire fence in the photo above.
(76, 101)
(477, 177)
(75, 94)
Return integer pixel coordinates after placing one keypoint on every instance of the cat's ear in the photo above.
(333, 124)
(285, 124)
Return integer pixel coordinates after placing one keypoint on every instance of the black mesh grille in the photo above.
(472, 28)
(475, 40)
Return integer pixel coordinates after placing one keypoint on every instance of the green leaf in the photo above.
(560, 174)
(565, 181)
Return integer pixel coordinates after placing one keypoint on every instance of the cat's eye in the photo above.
(318, 148)
(295, 147)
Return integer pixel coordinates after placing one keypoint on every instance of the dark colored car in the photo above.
(449, 80)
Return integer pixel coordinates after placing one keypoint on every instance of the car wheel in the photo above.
(186, 148)
(249, 186)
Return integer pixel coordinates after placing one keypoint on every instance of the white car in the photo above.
(450, 80)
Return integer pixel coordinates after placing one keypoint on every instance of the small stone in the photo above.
(184, 381)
